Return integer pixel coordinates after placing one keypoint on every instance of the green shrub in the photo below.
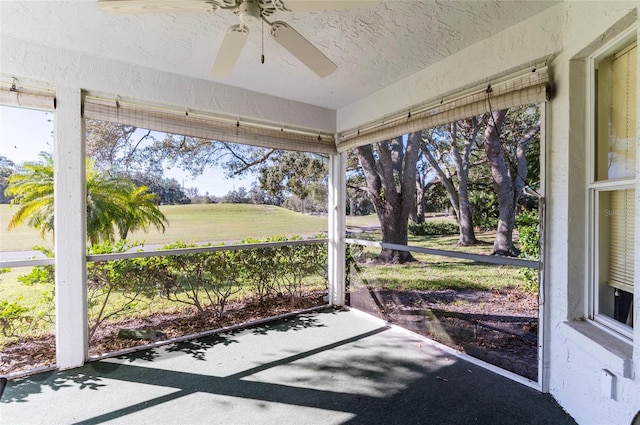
(44, 276)
(527, 219)
(486, 223)
(15, 319)
(434, 228)
(261, 268)
(484, 209)
(207, 280)
(125, 278)
(40, 274)
(528, 225)
(204, 280)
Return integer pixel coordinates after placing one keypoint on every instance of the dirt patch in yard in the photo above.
(499, 327)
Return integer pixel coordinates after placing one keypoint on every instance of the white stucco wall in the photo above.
(576, 361)
(24, 59)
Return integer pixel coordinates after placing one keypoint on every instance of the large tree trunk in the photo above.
(391, 186)
(467, 233)
(465, 219)
(418, 214)
(508, 181)
(446, 181)
(458, 197)
(394, 230)
(503, 185)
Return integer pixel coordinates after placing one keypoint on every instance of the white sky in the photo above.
(24, 133)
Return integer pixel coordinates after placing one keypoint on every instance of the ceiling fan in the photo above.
(250, 12)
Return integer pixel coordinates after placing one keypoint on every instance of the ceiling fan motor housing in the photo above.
(249, 12)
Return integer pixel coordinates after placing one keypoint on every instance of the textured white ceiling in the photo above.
(372, 47)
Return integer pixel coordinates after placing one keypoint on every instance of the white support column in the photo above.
(337, 219)
(70, 230)
(544, 312)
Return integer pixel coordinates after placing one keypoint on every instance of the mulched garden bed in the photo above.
(39, 352)
(499, 327)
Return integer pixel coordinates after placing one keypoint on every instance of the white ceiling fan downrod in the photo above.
(249, 12)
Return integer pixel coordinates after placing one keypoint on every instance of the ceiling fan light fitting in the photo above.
(249, 12)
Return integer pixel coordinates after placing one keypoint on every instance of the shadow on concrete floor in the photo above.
(332, 367)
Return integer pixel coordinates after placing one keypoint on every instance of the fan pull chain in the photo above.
(262, 55)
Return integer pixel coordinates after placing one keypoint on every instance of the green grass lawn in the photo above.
(363, 220)
(232, 222)
(431, 272)
(21, 238)
(198, 223)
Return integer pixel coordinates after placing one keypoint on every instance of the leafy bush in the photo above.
(282, 270)
(297, 262)
(40, 274)
(127, 278)
(528, 225)
(527, 218)
(486, 223)
(204, 280)
(429, 228)
(260, 268)
(15, 319)
(45, 276)
(224, 275)
(484, 209)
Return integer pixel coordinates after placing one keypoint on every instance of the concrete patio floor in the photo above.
(329, 367)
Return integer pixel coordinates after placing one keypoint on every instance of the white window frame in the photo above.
(594, 187)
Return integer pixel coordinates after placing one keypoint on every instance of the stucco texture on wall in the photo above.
(577, 364)
(110, 77)
(527, 44)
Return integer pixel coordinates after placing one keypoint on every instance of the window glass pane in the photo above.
(616, 253)
(616, 114)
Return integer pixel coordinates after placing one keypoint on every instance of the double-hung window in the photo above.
(612, 185)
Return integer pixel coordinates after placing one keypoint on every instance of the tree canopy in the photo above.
(7, 167)
(115, 205)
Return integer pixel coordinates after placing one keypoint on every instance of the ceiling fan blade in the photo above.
(302, 49)
(229, 51)
(313, 5)
(127, 7)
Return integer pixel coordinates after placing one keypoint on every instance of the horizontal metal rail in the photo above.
(200, 250)
(491, 259)
(499, 260)
(8, 264)
(163, 252)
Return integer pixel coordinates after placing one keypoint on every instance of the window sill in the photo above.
(615, 353)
